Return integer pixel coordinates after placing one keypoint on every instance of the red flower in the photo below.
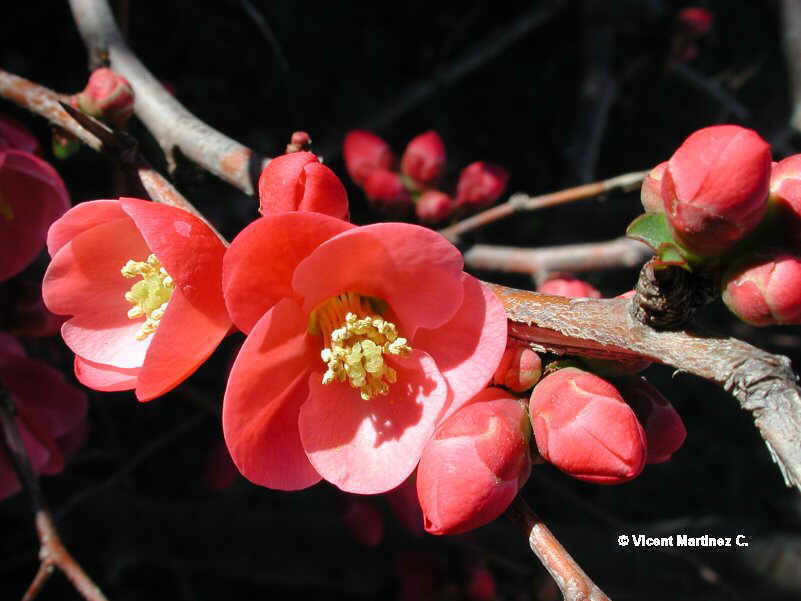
(360, 341)
(480, 184)
(715, 187)
(107, 96)
(365, 152)
(299, 182)
(474, 465)
(13, 135)
(50, 413)
(142, 282)
(564, 284)
(424, 158)
(583, 427)
(32, 196)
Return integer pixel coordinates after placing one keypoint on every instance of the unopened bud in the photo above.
(564, 284)
(520, 368)
(433, 206)
(364, 152)
(386, 192)
(424, 158)
(480, 184)
(651, 190)
(107, 96)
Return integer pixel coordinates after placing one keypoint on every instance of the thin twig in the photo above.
(569, 577)
(267, 33)
(595, 256)
(173, 126)
(712, 89)
(52, 552)
(523, 202)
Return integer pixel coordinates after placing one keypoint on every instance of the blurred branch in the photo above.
(173, 126)
(523, 202)
(52, 552)
(620, 252)
(791, 36)
(570, 578)
(763, 383)
(712, 89)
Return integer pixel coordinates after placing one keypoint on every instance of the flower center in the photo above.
(150, 295)
(356, 340)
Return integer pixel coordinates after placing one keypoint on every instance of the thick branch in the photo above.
(764, 384)
(173, 126)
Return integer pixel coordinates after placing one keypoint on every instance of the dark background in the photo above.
(134, 505)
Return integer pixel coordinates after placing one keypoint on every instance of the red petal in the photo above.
(80, 218)
(324, 193)
(267, 385)
(258, 266)
(280, 182)
(372, 447)
(414, 269)
(105, 378)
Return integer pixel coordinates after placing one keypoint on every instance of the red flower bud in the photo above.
(424, 158)
(14, 135)
(765, 290)
(433, 206)
(365, 152)
(520, 368)
(385, 190)
(475, 463)
(583, 427)
(299, 141)
(696, 20)
(664, 429)
(107, 96)
(651, 190)
(299, 182)
(480, 184)
(564, 284)
(785, 190)
(715, 187)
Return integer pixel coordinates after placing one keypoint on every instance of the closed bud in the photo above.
(433, 206)
(364, 152)
(696, 20)
(480, 184)
(765, 290)
(715, 188)
(785, 191)
(584, 428)
(564, 284)
(386, 192)
(299, 182)
(520, 368)
(299, 141)
(424, 158)
(664, 428)
(107, 96)
(475, 463)
(651, 190)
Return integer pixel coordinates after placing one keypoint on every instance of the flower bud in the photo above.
(696, 20)
(14, 135)
(299, 141)
(651, 190)
(584, 428)
(386, 192)
(107, 96)
(433, 206)
(785, 191)
(765, 290)
(480, 184)
(664, 428)
(365, 152)
(715, 188)
(520, 368)
(475, 463)
(299, 182)
(424, 158)
(564, 284)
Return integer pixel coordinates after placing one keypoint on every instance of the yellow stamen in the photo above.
(356, 340)
(150, 296)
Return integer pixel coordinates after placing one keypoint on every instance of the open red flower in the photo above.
(361, 340)
(32, 196)
(142, 283)
(50, 413)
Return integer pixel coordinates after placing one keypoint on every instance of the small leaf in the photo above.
(652, 229)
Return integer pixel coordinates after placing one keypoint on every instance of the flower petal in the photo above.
(107, 338)
(414, 269)
(468, 348)
(105, 378)
(267, 385)
(258, 266)
(371, 447)
(78, 219)
(185, 338)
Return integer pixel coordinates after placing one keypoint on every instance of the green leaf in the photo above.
(652, 229)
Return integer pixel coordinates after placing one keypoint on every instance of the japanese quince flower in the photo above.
(360, 341)
(32, 196)
(142, 284)
(50, 413)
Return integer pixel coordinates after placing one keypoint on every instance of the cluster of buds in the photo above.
(720, 207)
(373, 166)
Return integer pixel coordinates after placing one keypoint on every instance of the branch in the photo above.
(620, 252)
(763, 383)
(791, 37)
(570, 578)
(523, 202)
(173, 126)
(52, 552)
